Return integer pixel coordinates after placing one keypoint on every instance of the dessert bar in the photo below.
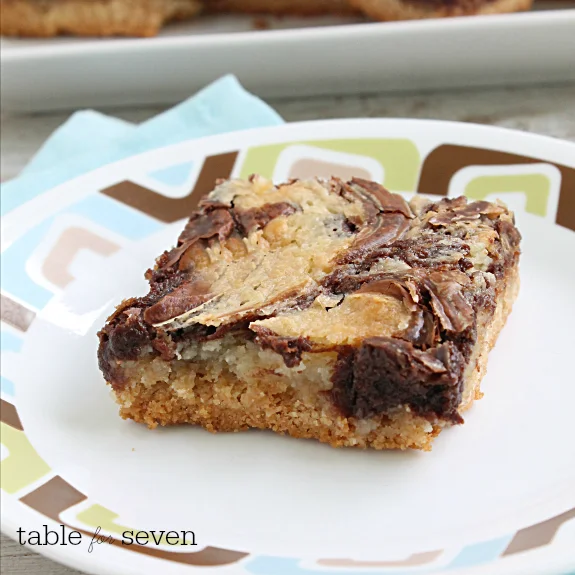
(324, 309)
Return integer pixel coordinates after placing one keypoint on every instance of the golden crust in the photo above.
(216, 408)
(388, 10)
(46, 18)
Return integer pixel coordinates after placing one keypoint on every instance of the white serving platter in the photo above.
(293, 57)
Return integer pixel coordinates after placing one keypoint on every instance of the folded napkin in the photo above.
(89, 140)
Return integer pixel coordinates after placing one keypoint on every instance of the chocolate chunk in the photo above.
(257, 218)
(401, 289)
(464, 264)
(124, 339)
(202, 225)
(164, 345)
(422, 331)
(506, 251)
(510, 238)
(385, 373)
(163, 281)
(127, 339)
(123, 308)
(427, 251)
(206, 225)
(184, 298)
(290, 348)
(447, 300)
(384, 200)
(386, 229)
(472, 211)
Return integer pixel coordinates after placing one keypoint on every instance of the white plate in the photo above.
(299, 57)
(495, 495)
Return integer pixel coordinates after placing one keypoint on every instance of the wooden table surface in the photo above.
(548, 110)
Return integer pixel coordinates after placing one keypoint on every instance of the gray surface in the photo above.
(548, 110)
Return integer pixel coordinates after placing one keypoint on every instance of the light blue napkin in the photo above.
(89, 140)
